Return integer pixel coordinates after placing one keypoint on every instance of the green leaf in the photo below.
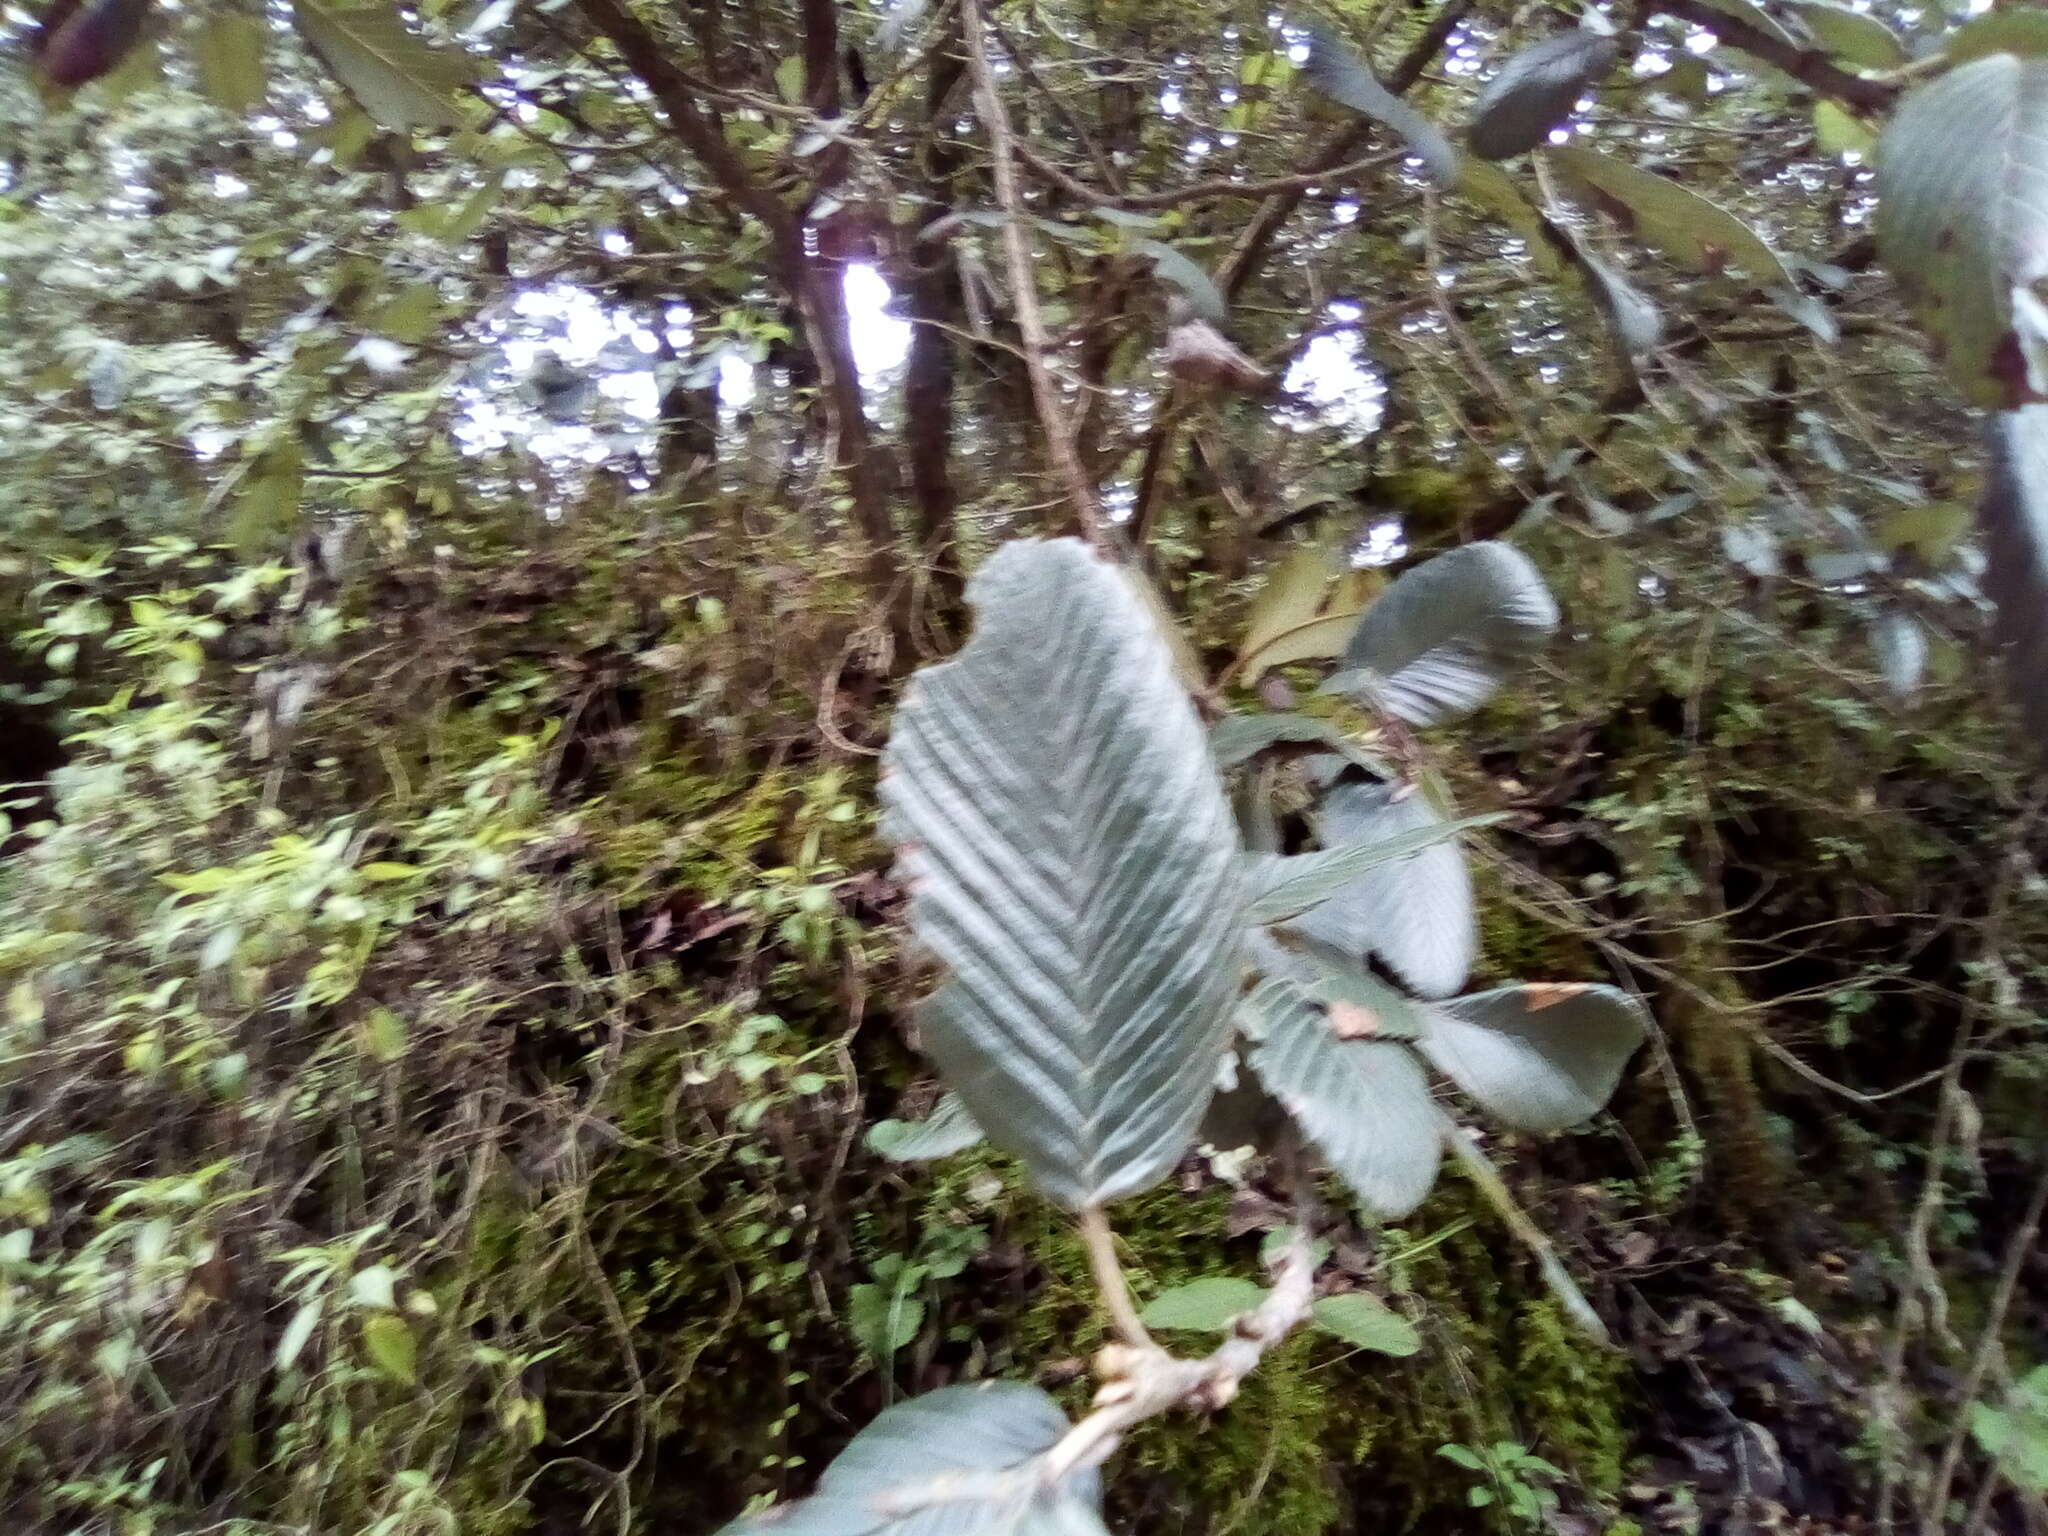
(1338, 74)
(1073, 861)
(1676, 220)
(1838, 131)
(384, 1035)
(1630, 313)
(1494, 190)
(1536, 90)
(1193, 284)
(229, 60)
(1414, 910)
(1202, 1306)
(1932, 531)
(1364, 1320)
(374, 1287)
(882, 1318)
(398, 78)
(386, 869)
(1286, 885)
(945, 1441)
(948, 1129)
(1855, 37)
(1238, 738)
(2020, 32)
(1962, 222)
(1438, 642)
(2013, 519)
(1538, 1058)
(1363, 1104)
(1291, 596)
(1754, 16)
(389, 1344)
(2015, 1432)
(411, 315)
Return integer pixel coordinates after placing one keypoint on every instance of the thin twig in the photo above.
(1052, 416)
(2017, 1252)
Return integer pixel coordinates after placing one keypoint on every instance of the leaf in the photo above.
(384, 1035)
(1291, 597)
(1494, 190)
(297, 1334)
(882, 1318)
(1536, 90)
(389, 1343)
(1364, 1320)
(1363, 1104)
(374, 1287)
(1898, 642)
(1855, 37)
(948, 1129)
(1440, 640)
(1194, 285)
(1072, 859)
(1413, 912)
(1238, 738)
(1286, 885)
(1202, 1306)
(1838, 131)
(2021, 32)
(1676, 220)
(1962, 222)
(944, 1442)
(1538, 1058)
(229, 60)
(410, 315)
(1333, 70)
(389, 869)
(2013, 519)
(1754, 16)
(1932, 531)
(1630, 313)
(398, 78)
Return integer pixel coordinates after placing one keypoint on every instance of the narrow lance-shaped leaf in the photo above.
(1676, 220)
(1539, 1058)
(1962, 222)
(1415, 911)
(1536, 90)
(1333, 70)
(1072, 860)
(1194, 285)
(397, 77)
(1363, 1104)
(949, 1463)
(229, 59)
(2013, 518)
(1436, 644)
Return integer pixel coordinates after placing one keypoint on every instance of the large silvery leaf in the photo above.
(399, 79)
(1536, 90)
(946, 1130)
(1539, 1058)
(949, 1463)
(1335, 71)
(1439, 640)
(1414, 913)
(1284, 885)
(2014, 521)
(1962, 222)
(1073, 862)
(1676, 220)
(1363, 1104)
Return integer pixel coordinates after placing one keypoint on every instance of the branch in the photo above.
(1809, 66)
(1202, 191)
(1059, 434)
(1109, 1278)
